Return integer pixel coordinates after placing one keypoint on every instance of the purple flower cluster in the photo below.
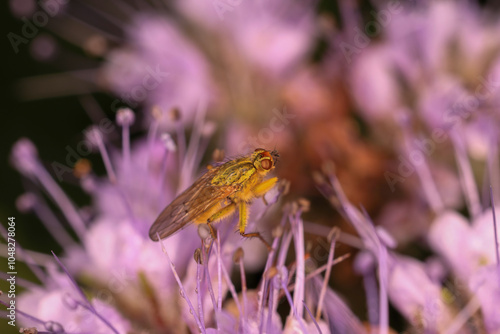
(138, 285)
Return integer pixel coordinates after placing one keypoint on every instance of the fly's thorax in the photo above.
(235, 173)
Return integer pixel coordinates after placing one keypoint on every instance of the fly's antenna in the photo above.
(275, 154)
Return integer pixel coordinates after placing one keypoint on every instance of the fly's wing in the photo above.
(194, 201)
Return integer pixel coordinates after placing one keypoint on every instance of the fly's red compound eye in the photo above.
(266, 164)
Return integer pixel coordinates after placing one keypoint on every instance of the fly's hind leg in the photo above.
(243, 208)
(222, 213)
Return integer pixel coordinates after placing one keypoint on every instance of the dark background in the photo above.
(51, 124)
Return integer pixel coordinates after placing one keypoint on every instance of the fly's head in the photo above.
(264, 161)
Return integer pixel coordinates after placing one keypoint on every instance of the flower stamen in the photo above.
(181, 286)
(125, 118)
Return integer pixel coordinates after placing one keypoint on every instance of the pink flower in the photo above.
(159, 66)
(485, 284)
(430, 64)
(273, 36)
(55, 308)
(416, 296)
(466, 247)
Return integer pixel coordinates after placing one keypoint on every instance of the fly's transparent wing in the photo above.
(189, 205)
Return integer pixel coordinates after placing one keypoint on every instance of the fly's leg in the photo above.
(243, 208)
(262, 188)
(222, 213)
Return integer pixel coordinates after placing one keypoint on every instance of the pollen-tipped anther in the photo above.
(125, 117)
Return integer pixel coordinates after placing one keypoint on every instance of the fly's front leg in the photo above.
(262, 188)
(243, 208)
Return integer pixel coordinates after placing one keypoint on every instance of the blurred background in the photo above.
(358, 84)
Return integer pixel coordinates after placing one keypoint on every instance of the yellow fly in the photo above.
(218, 193)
